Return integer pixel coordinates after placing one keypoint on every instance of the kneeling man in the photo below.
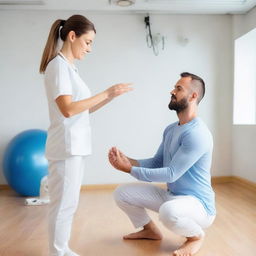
(183, 161)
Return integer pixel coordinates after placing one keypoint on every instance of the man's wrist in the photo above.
(129, 169)
(126, 169)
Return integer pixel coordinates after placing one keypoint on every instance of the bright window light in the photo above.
(245, 79)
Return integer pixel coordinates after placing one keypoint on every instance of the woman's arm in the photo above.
(100, 105)
(69, 108)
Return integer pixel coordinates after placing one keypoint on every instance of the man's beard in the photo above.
(178, 106)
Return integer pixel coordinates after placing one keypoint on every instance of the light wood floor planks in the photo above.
(99, 226)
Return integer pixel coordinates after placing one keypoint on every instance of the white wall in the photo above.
(244, 136)
(133, 122)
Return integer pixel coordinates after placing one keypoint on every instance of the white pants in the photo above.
(184, 215)
(65, 177)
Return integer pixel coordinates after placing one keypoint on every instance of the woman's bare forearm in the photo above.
(70, 108)
(100, 105)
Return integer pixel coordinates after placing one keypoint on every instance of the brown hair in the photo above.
(200, 84)
(77, 23)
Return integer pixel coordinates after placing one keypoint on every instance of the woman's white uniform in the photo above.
(68, 142)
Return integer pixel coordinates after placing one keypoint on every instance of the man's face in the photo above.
(180, 95)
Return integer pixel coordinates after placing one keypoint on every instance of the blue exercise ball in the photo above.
(24, 162)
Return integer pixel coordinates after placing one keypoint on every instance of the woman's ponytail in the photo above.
(50, 50)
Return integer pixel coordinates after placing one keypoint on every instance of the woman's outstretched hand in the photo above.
(117, 90)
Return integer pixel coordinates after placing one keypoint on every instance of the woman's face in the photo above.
(82, 45)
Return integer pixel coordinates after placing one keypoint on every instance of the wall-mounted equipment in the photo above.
(154, 41)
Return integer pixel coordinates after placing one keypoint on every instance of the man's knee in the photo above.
(118, 194)
(121, 194)
(125, 194)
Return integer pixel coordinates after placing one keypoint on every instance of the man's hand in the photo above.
(119, 160)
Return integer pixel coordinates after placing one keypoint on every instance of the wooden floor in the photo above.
(99, 226)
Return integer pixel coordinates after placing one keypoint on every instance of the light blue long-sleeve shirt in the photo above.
(183, 160)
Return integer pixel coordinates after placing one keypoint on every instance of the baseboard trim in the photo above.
(99, 187)
(244, 182)
(234, 179)
(83, 187)
(111, 186)
(222, 179)
(215, 180)
(5, 187)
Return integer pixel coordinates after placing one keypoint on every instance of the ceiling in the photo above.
(140, 6)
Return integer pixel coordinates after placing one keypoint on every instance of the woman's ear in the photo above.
(71, 36)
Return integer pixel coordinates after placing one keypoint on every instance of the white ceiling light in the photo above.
(125, 3)
(25, 2)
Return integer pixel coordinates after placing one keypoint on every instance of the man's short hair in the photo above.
(199, 84)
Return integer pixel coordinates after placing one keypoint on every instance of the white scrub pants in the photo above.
(184, 215)
(65, 177)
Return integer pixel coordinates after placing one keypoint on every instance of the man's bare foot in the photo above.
(190, 247)
(149, 231)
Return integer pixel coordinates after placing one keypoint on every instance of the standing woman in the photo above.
(69, 134)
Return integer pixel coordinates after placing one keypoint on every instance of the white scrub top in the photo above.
(66, 136)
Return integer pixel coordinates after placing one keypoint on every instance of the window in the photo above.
(245, 79)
